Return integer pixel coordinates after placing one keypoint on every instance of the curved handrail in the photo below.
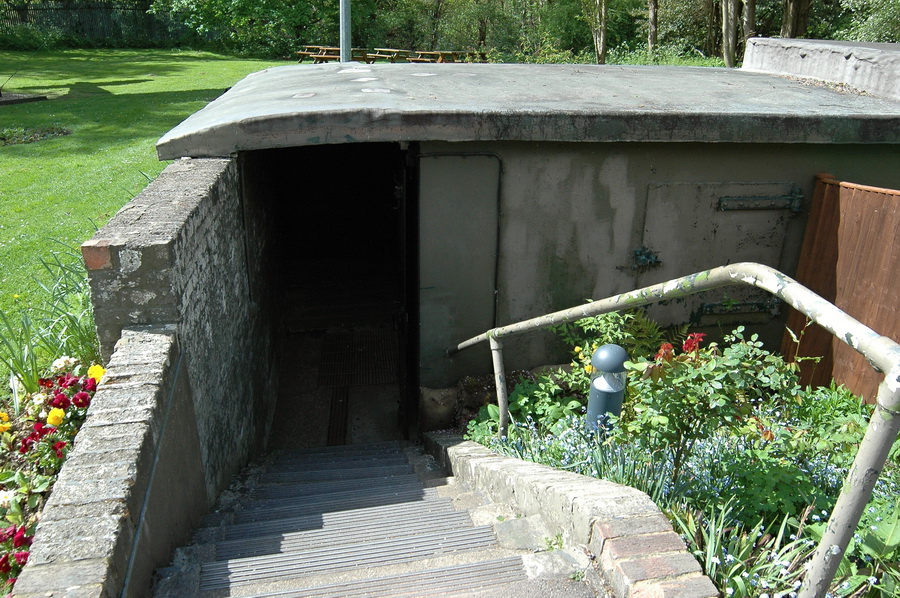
(881, 352)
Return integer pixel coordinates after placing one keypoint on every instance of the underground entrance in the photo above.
(345, 275)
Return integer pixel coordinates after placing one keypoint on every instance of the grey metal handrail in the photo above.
(881, 352)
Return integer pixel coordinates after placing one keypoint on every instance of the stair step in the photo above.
(459, 579)
(402, 524)
(267, 491)
(312, 463)
(324, 475)
(265, 510)
(370, 448)
(350, 518)
(221, 575)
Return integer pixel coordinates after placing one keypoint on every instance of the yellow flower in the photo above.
(4, 427)
(4, 416)
(590, 369)
(55, 417)
(96, 372)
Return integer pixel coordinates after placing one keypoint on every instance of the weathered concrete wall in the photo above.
(115, 513)
(871, 68)
(572, 216)
(194, 250)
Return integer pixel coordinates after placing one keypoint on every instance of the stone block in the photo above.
(697, 586)
(643, 545)
(92, 538)
(96, 254)
(84, 579)
(625, 574)
(616, 527)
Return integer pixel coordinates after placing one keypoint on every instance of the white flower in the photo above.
(729, 591)
(6, 496)
(63, 364)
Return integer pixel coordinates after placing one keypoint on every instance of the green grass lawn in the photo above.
(117, 104)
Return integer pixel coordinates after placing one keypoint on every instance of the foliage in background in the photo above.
(513, 30)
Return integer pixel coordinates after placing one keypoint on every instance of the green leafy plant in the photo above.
(745, 560)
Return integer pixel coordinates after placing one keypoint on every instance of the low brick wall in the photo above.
(187, 308)
(632, 541)
(114, 512)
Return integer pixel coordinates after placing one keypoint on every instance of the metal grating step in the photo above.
(267, 491)
(447, 581)
(330, 503)
(363, 449)
(358, 357)
(344, 473)
(221, 575)
(403, 524)
(337, 462)
(348, 519)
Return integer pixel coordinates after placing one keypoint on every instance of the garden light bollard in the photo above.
(607, 386)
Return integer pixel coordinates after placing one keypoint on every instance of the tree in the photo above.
(795, 18)
(597, 15)
(652, 24)
(872, 20)
(749, 20)
(729, 31)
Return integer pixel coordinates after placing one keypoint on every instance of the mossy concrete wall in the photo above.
(571, 217)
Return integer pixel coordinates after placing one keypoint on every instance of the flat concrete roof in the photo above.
(341, 103)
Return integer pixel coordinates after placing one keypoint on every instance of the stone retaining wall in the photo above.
(114, 512)
(633, 543)
(187, 401)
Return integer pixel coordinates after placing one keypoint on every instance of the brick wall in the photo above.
(185, 300)
(194, 250)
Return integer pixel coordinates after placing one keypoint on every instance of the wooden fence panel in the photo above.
(850, 256)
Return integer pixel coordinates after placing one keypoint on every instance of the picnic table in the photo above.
(391, 54)
(448, 56)
(320, 54)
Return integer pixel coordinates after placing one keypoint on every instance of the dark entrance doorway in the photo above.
(347, 275)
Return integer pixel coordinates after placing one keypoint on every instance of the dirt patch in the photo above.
(19, 98)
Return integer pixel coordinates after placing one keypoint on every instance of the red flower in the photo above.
(5, 567)
(7, 533)
(81, 399)
(692, 343)
(66, 380)
(45, 383)
(60, 401)
(58, 447)
(25, 444)
(21, 557)
(89, 384)
(666, 352)
(20, 539)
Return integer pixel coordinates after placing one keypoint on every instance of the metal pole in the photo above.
(500, 382)
(873, 451)
(345, 31)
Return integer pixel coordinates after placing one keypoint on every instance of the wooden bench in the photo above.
(391, 54)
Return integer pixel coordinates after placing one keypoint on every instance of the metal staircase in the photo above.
(364, 520)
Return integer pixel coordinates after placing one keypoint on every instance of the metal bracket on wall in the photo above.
(793, 201)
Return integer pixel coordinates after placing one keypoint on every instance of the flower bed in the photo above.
(745, 462)
(48, 401)
(36, 441)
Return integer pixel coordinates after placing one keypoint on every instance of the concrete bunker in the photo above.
(461, 197)
(436, 203)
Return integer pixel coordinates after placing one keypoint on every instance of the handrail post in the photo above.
(857, 490)
(500, 382)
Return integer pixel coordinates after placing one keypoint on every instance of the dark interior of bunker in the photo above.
(345, 276)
